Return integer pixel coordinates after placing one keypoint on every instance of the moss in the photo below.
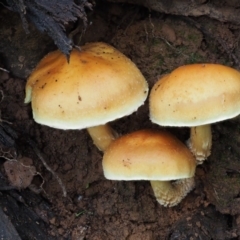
(193, 37)
(195, 58)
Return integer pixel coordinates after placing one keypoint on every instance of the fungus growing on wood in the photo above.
(156, 156)
(196, 96)
(98, 85)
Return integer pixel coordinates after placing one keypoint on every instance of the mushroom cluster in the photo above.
(97, 85)
(193, 95)
(196, 96)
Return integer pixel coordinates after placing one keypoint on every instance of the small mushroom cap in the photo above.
(196, 94)
(148, 155)
(98, 85)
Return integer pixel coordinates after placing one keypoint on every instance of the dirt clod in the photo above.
(20, 172)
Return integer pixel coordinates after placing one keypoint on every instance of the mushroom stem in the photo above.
(200, 142)
(102, 136)
(169, 193)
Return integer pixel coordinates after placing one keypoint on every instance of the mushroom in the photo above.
(156, 156)
(99, 84)
(196, 96)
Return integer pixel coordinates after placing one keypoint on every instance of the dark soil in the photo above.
(96, 208)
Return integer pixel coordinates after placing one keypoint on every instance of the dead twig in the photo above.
(4, 70)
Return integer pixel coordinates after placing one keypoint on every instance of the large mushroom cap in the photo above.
(148, 155)
(195, 95)
(98, 85)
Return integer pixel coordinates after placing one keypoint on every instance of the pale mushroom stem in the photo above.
(200, 142)
(102, 136)
(169, 193)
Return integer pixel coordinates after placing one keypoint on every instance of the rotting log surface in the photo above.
(51, 17)
(193, 8)
(21, 220)
(7, 230)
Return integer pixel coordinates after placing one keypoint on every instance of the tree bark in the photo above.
(194, 8)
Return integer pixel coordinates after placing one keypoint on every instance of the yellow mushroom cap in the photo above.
(196, 94)
(98, 85)
(148, 155)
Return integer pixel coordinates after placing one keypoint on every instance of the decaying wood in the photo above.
(7, 230)
(194, 8)
(22, 219)
(51, 17)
